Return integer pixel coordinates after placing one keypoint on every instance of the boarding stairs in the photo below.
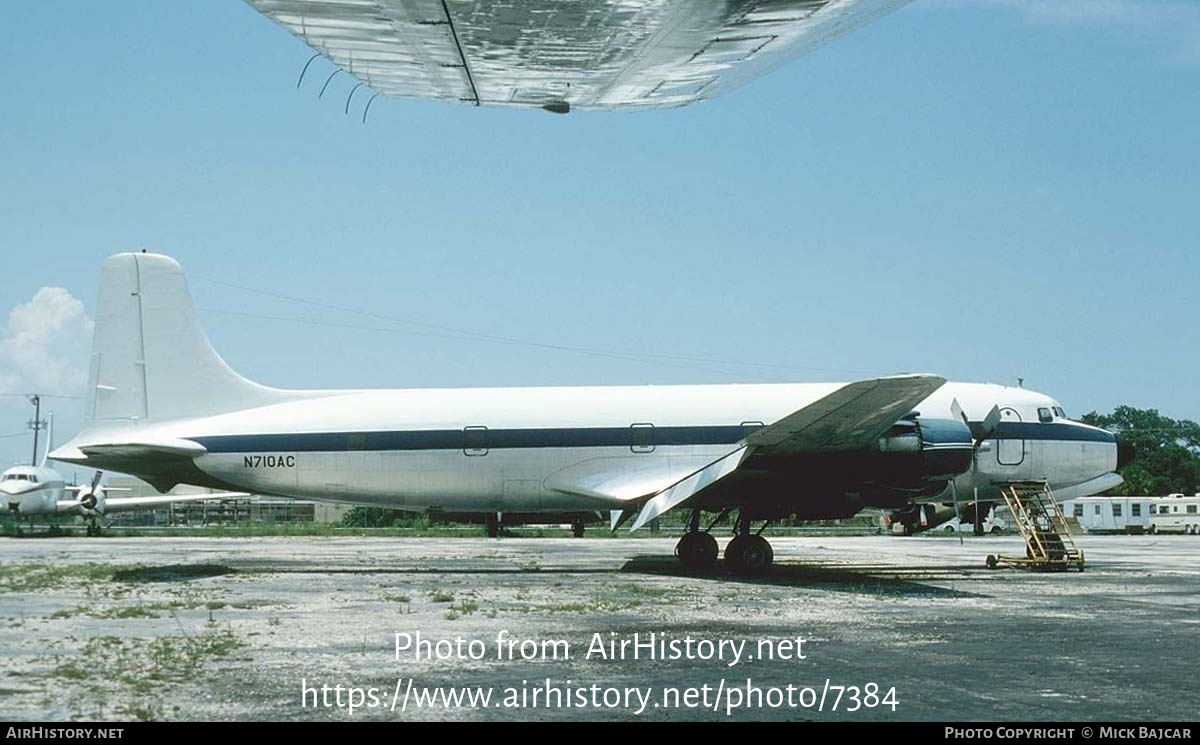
(1049, 546)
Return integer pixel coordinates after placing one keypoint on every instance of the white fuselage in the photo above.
(31, 490)
(556, 449)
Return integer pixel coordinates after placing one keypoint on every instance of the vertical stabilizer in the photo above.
(150, 358)
(49, 439)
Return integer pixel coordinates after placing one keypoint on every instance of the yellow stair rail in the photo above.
(1049, 546)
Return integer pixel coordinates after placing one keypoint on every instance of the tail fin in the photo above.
(150, 358)
(49, 440)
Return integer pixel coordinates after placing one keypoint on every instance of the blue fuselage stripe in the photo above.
(501, 439)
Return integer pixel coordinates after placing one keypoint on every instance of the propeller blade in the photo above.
(990, 422)
(96, 480)
(957, 412)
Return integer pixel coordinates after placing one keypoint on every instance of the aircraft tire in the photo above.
(697, 550)
(749, 555)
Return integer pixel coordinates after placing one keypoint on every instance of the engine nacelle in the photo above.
(929, 449)
(91, 504)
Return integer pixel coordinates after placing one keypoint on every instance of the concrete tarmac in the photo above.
(241, 628)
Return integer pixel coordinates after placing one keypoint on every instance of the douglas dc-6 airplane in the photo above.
(164, 406)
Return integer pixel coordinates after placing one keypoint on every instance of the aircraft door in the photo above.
(1010, 450)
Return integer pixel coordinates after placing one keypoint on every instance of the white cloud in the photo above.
(44, 345)
(1170, 28)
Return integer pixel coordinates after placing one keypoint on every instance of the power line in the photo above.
(7, 394)
(362, 327)
(469, 335)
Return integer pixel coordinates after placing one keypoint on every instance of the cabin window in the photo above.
(1191, 509)
(1135, 509)
(1044, 415)
(641, 438)
(475, 441)
(1078, 510)
(1117, 510)
(748, 428)
(1096, 509)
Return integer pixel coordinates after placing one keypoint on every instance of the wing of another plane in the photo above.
(124, 504)
(565, 54)
(851, 418)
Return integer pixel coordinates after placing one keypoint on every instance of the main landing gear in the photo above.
(747, 554)
(696, 550)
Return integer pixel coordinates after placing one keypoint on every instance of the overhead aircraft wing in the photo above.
(125, 504)
(851, 418)
(565, 54)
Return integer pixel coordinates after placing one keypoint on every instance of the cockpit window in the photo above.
(1044, 415)
(1060, 412)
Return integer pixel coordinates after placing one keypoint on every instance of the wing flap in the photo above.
(675, 495)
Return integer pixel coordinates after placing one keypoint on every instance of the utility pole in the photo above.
(36, 424)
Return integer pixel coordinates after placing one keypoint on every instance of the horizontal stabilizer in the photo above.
(135, 449)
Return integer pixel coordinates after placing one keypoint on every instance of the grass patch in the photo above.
(643, 590)
(441, 596)
(34, 577)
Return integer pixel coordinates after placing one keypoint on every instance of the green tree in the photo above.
(1167, 458)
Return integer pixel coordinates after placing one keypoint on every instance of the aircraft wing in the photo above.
(565, 54)
(125, 504)
(107, 489)
(851, 418)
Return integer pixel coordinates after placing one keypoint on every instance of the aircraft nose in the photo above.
(1125, 452)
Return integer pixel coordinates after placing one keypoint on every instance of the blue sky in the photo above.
(987, 190)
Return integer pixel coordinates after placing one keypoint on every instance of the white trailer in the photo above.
(1176, 513)
(1114, 514)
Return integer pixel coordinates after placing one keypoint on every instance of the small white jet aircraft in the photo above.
(34, 491)
(563, 55)
(164, 406)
